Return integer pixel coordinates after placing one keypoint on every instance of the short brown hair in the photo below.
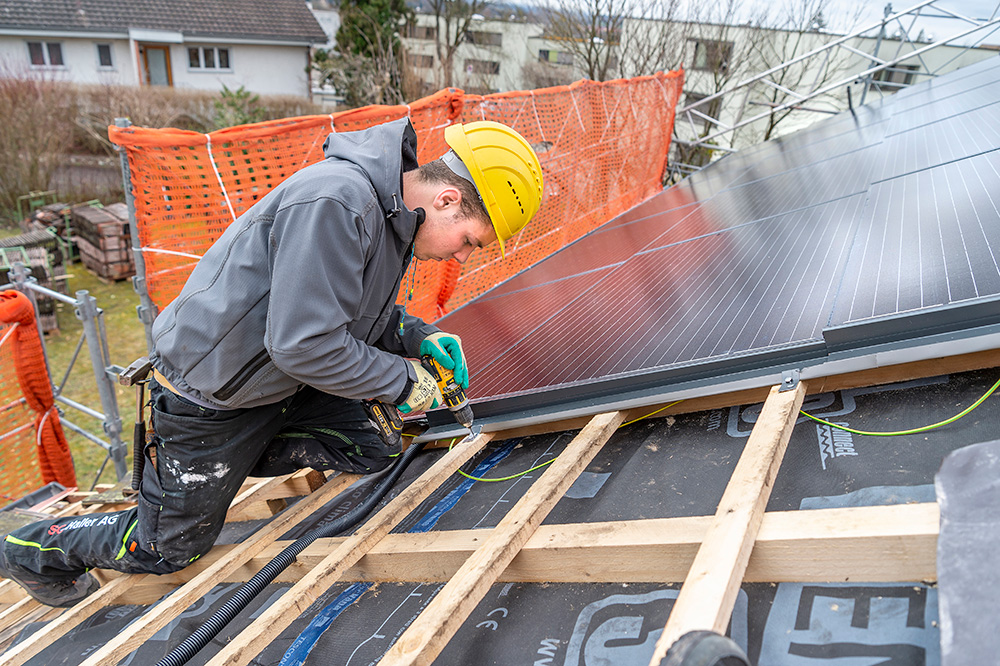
(471, 205)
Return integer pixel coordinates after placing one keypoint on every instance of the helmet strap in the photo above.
(457, 166)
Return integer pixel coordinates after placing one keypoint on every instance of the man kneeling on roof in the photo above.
(284, 326)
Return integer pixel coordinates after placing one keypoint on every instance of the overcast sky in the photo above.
(873, 10)
(840, 14)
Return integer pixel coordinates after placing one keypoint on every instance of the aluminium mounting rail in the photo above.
(708, 110)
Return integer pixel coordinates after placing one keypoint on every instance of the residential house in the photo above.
(263, 46)
(490, 56)
(500, 52)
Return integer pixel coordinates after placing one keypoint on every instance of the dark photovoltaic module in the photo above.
(877, 226)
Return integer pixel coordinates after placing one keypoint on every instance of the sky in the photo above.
(872, 11)
(840, 14)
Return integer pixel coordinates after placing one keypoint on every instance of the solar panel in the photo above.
(752, 287)
(929, 238)
(941, 141)
(875, 225)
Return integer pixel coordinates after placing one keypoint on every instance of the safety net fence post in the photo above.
(33, 447)
(602, 146)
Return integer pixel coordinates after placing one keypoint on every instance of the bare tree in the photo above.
(539, 74)
(376, 74)
(604, 39)
(729, 45)
(452, 19)
(35, 134)
(797, 31)
(719, 48)
(717, 51)
(591, 31)
(655, 40)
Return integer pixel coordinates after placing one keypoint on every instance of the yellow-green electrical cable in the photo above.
(912, 431)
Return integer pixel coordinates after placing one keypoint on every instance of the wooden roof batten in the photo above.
(712, 555)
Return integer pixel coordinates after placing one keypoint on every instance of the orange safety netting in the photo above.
(603, 149)
(19, 473)
(22, 352)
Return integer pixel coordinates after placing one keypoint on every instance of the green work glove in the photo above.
(447, 350)
(424, 394)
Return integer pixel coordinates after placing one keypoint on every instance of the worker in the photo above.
(288, 322)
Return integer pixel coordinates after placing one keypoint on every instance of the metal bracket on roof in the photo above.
(789, 380)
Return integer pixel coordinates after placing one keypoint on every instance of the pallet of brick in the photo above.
(100, 226)
(107, 264)
(52, 217)
(103, 241)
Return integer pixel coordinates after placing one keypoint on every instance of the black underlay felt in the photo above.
(656, 468)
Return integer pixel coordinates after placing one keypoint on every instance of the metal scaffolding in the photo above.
(95, 336)
(700, 130)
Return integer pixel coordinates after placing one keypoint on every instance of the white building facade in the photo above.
(189, 46)
(515, 53)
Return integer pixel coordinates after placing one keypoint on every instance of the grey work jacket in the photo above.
(301, 288)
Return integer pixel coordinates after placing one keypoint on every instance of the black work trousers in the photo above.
(202, 458)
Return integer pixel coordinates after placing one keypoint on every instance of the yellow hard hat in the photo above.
(505, 171)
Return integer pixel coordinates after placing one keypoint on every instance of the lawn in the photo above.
(126, 342)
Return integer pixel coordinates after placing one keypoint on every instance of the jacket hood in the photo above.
(383, 152)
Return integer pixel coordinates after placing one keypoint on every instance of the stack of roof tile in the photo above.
(102, 236)
(41, 252)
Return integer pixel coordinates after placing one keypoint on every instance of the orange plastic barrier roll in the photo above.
(22, 340)
(19, 472)
(602, 146)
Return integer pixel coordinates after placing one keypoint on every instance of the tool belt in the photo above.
(162, 381)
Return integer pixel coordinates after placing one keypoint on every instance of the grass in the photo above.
(126, 342)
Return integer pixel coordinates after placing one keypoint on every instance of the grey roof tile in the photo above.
(279, 20)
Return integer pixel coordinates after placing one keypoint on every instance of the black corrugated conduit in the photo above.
(201, 636)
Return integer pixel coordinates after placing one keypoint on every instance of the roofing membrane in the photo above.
(875, 226)
(672, 468)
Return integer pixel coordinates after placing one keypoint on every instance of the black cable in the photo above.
(201, 636)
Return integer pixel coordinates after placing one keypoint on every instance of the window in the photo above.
(104, 56)
(421, 32)
(208, 57)
(892, 79)
(555, 57)
(422, 61)
(44, 54)
(483, 38)
(712, 55)
(481, 66)
(710, 109)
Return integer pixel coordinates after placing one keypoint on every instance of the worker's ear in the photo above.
(447, 197)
